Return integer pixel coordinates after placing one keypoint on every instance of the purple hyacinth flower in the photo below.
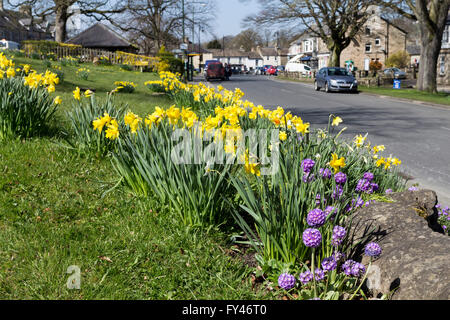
(363, 186)
(306, 277)
(340, 178)
(373, 249)
(389, 191)
(308, 177)
(330, 212)
(329, 264)
(413, 189)
(316, 218)
(286, 281)
(325, 173)
(374, 187)
(312, 238)
(308, 165)
(347, 267)
(339, 234)
(319, 275)
(338, 256)
(337, 192)
(358, 269)
(369, 176)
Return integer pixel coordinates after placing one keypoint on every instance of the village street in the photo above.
(417, 134)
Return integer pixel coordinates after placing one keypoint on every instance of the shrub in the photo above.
(83, 73)
(126, 67)
(375, 66)
(399, 59)
(168, 62)
(35, 56)
(124, 86)
(155, 86)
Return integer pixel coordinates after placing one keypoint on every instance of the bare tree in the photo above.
(62, 11)
(431, 16)
(336, 22)
(157, 23)
(247, 39)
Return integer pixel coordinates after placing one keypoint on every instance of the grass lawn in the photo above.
(58, 209)
(412, 94)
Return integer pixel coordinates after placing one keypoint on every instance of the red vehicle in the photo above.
(272, 71)
(215, 70)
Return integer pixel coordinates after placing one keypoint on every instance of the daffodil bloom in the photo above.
(112, 132)
(10, 73)
(336, 163)
(396, 162)
(337, 121)
(77, 94)
(51, 88)
(88, 93)
(57, 100)
(359, 141)
(283, 136)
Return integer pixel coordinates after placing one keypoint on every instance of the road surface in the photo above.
(419, 135)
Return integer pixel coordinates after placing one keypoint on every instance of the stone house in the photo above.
(19, 25)
(377, 39)
(444, 57)
(273, 56)
(238, 57)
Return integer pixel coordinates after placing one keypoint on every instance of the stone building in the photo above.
(444, 57)
(376, 41)
(19, 25)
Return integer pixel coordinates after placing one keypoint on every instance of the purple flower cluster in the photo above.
(286, 281)
(339, 234)
(330, 212)
(413, 189)
(329, 264)
(373, 249)
(308, 165)
(340, 178)
(316, 218)
(338, 256)
(353, 268)
(338, 192)
(389, 191)
(325, 173)
(319, 275)
(306, 277)
(308, 177)
(366, 184)
(312, 238)
(319, 199)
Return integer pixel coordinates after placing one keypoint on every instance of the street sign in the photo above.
(183, 46)
(397, 84)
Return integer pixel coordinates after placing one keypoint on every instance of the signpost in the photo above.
(397, 84)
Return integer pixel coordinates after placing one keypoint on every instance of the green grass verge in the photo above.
(52, 216)
(411, 94)
(56, 212)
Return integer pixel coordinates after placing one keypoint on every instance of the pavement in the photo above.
(418, 134)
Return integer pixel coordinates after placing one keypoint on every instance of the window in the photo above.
(445, 38)
(378, 42)
(368, 31)
(442, 66)
(308, 46)
(368, 48)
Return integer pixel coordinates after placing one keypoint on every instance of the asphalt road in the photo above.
(419, 135)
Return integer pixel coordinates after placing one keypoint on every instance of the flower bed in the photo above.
(294, 214)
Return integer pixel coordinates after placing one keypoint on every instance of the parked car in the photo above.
(272, 71)
(259, 70)
(267, 66)
(9, 45)
(206, 65)
(335, 79)
(215, 70)
(294, 66)
(281, 68)
(395, 73)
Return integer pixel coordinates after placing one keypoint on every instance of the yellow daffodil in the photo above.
(336, 163)
(360, 140)
(283, 136)
(337, 121)
(77, 94)
(57, 100)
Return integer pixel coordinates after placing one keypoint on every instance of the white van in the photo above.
(8, 45)
(295, 65)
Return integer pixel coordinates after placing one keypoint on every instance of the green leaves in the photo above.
(24, 112)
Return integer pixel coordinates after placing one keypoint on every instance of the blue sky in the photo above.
(230, 14)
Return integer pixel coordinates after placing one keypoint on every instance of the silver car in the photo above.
(395, 73)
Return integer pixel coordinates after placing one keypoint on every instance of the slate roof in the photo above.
(100, 36)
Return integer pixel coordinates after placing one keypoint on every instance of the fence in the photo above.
(90, 55)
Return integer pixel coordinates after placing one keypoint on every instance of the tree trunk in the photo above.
(61, 23)
(335, 58)
(429, 56)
